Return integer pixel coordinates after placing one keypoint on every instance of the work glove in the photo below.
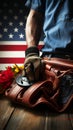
(33, 65)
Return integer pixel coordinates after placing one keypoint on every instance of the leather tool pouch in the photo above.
(55, 88)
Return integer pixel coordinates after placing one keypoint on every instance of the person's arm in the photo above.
(34, 26)
(32, 63)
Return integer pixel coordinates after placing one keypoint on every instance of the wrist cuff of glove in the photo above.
(32, 50)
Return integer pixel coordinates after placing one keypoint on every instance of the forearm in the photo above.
(33, 28)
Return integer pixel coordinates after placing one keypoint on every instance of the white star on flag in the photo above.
(21, 35)
(1, 35)
(15, 29)
(11, 35)
(5, 17)
(5, 29)
(10, 11)
(21, 23)
(0, 23)
(15, 17)
(10, 23)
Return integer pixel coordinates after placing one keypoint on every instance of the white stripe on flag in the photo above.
(12, 54)
(16, 43)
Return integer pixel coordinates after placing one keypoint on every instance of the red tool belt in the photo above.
(55, 89)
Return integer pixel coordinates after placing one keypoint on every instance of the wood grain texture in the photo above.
(25, 120)
(5, 112)
(58, 121)
(16, 117)
(71, 116)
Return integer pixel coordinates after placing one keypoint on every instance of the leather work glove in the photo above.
(33, 64)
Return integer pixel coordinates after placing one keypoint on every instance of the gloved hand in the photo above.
(33, 64)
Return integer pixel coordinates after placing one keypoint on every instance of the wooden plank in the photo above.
(5, 112)
(14, 117)
(23, 119)
(71, 116)
(58, 121)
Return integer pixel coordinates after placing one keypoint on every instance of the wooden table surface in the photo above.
(16, 117)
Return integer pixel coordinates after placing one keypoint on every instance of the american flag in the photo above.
(13, 15)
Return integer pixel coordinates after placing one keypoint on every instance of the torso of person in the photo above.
(58, 26)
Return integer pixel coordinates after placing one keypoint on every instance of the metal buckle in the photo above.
(23, 81)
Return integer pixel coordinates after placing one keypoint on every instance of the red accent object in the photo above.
(6, 78)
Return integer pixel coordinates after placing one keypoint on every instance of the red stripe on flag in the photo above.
(15, 47)
(12, 60)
